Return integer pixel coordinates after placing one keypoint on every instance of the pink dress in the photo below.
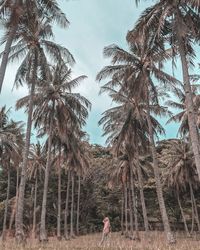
(106, 228)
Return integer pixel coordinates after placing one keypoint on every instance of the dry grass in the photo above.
(116, 241)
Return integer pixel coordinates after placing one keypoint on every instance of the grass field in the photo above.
(116, 241)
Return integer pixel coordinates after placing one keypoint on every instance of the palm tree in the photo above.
(15, 10)
(20, 141)
(180, 172)
(57, 162)
(35, 47)
(14, 13)
(119, 174)
(66, 211)
(57, 109)
(81, 170)
(182, 115)
(9, 151)
(78, 162)
(59, 169)
(78, 204)
(79, 154)
(72, 234)
(36, 166)
(122, 173)
(130, 130)
(176, 22)
(132, 188)
(135, 69)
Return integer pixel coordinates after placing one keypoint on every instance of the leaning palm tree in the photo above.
(11, 11)
(57, 109)
(34, 48)
(175, 22)
(136, 70)
(14, 12)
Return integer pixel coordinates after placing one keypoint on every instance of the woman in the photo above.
(106, 229)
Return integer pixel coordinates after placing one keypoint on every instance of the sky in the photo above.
(94, 24)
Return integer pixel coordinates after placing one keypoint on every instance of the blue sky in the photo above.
(94, 24)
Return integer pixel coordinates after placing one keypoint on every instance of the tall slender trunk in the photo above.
(137, 237)
(193, 214)
(72, 207)
(6, 52)
(34, 208)
(165, 219)
(126, 209)
(19, 234)
(32, 203)
(17, 12)
(43, 233)
(66, 233)
(189, 105)
(14, 208)
(6, 205)
(183, 216)
(140, 182)
(59, 197)
(196, 215)
(78, 205)
(130, 211)
(122, 214)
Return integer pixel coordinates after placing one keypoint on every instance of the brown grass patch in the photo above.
(116, 242)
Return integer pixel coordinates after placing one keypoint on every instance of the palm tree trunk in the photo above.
(126, 209)
(165, 219)
(59, 197)
(67, 208)
(137, 237)
(190, 106)
(78, 205)
(6, 206)
(34, 208)
(13, 213)
(3, 4)
(183, 215)
(196, 215)
(19, 234)
(122, 214)
(140, 182)
(43, 233)
(193, 215)
(17, 10)
(6, 52)
(72, 207)
(130, 211)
